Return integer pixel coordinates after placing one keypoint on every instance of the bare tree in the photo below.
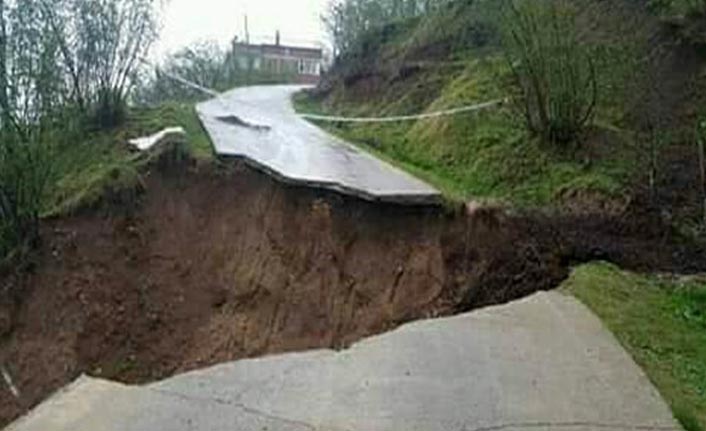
(101, 44)
(56, 56)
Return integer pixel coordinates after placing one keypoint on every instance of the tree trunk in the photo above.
(701, 138)
(4, 102)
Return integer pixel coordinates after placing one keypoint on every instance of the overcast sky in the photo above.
(187, 21)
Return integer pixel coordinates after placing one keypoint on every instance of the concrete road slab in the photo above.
(259, 124)
(97, 405)
(543, 363)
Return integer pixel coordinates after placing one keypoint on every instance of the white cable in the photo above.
(447, 112)
(340, 119)
(193, 85)
(181, 80)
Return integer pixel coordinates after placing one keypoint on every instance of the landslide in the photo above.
(217, 264)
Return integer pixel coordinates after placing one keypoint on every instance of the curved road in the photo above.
(259, 124)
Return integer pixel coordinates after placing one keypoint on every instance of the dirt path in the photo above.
(215, 266)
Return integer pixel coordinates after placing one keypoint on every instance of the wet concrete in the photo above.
(260, 125)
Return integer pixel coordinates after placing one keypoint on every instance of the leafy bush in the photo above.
(553, 71)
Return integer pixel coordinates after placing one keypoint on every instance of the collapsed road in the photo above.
(544, 363)
(212, 268)
(259, 124)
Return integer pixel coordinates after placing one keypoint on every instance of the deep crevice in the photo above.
(233, 264)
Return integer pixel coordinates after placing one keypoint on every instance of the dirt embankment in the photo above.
(216, 266)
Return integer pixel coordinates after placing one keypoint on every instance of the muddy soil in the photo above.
(217, 265)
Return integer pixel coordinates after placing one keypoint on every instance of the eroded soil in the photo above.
(216, 266)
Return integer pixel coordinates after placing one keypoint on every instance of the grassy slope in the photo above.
(85, 171)
(451, 59)
(476, 155)
(662, 323)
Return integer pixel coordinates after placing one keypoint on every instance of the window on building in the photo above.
(309, 67)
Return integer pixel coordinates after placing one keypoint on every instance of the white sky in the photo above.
(188, 21)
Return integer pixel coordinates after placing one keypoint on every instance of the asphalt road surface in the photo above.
(259, 124)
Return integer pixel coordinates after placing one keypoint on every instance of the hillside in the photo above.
(651, 87)
(636, 162)
(584, 177)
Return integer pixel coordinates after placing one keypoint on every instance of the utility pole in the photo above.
(248, 55)
(247, 30)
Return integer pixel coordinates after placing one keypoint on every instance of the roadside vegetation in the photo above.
(75, 85)
(583, 125)
(661, 321)
(100, 166)
(67, 69)
(604, 114)
(553, 73)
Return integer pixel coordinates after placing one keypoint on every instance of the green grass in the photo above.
(662, 323)
(483, 155)
(146, 121)
(99, 164)
(84, 172)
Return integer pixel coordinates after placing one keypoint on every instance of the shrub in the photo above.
(109, 110)
(98, 46)
(553, 71)
(24, 173)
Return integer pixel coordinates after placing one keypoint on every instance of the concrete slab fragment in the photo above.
(147, 142)
(267, 132)
(97, 405)
(543, 363)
